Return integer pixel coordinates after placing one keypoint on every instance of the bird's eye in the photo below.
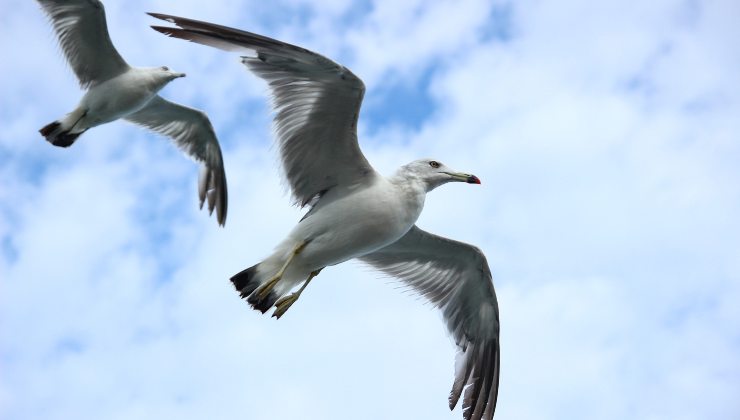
(165, 68)
(434, 164)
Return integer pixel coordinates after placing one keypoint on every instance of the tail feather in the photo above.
(49, 128)
(263, 305)
(246, 282)
(58, 137)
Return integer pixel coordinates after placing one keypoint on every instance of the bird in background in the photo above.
(354, 211)
(116, 90)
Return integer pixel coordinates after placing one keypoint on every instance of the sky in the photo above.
(606, 138)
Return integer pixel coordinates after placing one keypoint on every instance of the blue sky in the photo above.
(606, 138)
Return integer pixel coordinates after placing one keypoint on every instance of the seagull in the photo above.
(116, 90)
(354, 211)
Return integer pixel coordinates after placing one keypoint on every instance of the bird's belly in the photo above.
(341, 232)
(113, 99)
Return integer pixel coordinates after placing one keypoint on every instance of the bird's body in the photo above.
(380, 213)
(110, 100)
(355, 212)
(116, 90)
(122, 95)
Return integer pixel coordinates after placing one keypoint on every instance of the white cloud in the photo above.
(605, 136)
(398, 40)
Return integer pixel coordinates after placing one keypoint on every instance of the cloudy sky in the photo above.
(605, 135)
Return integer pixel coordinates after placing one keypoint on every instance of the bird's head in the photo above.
(163, 75)
(434, 173)
(168, 73)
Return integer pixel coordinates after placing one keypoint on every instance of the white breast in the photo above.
(118, 97)
(359, 223)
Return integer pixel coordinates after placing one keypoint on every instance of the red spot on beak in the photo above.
(472, 179)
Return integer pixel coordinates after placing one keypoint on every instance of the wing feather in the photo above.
(83, 36)
(316, 103)
(193, 133)
(456, 278)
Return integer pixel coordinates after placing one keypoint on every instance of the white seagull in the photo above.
(356, 212)
(116, 90)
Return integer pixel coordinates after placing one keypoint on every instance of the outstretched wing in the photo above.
(193, 133)
(83, 36)
(456, 278)
(316, 100)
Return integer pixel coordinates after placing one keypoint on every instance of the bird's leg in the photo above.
(282, 305)
(267, 286)
(77, 121)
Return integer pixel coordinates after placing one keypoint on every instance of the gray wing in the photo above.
(317, 103)
(193, 133)
(456, 278)
(83, 36)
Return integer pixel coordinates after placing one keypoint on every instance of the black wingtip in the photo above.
(223, 205)
(163, 29)
(221, 216)
(162, 16)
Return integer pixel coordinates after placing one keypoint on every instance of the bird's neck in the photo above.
(412, 190)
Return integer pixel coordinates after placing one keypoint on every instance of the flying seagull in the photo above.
(116, 90)
(356, 212)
